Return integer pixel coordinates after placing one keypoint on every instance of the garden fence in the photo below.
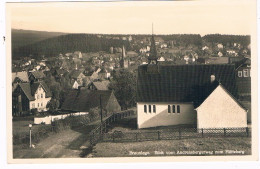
(173, 134)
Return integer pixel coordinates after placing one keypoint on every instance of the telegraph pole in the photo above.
(101, 115)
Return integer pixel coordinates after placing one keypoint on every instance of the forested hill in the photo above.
(25, 37)
(244, 40)
(68, 43)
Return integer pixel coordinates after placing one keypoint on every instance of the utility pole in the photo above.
(101, 115)
(30, 132)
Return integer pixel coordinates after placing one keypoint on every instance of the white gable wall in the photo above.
(161, 117)
(220, 110)
(40, 101)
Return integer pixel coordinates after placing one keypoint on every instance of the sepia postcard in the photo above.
(131, 81)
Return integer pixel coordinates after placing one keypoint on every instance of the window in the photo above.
(41, 104)
(40, 88)
(240, 74)
(33, 106)
(150, 108)
(145, 108)
(245, 72)
(154, 109)
(38, 104)
(178, 109)
(173, 108)
(169, 109)
(38, 96)
(41, 95)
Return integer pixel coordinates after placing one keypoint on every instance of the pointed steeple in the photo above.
(152, 59)
(122, 60)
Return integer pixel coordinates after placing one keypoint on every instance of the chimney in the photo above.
(212, 78)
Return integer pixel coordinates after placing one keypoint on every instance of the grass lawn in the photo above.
(175, 147)
(22, 126)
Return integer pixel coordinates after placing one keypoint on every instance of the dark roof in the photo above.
(245, 61)
(38, 74)
(182, 83)
(26, 88)
(103, 85)
(75, 74)
(30, 89)
(84, 100)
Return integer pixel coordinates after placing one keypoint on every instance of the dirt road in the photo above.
(65, 144)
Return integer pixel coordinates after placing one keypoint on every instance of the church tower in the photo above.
(122, 60)
(152, 58)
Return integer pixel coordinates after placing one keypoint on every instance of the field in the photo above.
(205, 146)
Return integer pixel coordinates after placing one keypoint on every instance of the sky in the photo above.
(180, 17)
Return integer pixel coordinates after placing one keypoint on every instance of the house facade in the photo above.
(28, 96)
(243, 78)
(169, 94)
(221, 110)
(152, 114)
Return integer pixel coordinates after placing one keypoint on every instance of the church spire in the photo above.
(152, 59)
(122, 60)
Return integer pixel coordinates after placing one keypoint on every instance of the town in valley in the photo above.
(106, 95)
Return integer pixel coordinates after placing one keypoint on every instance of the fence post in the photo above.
(224, 132)
(202, 134)
(159, 135)
(247, 132)
(136, 138)
(179, 133)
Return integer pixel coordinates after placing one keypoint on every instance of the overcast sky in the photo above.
(197, 17)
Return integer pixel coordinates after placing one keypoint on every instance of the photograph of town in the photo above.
(131, 79)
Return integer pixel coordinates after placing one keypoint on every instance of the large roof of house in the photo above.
(38, 74)
(182, 83)
(83, 100)
(103, 85)
(30, 89)
(21, 75)
(75, 73)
